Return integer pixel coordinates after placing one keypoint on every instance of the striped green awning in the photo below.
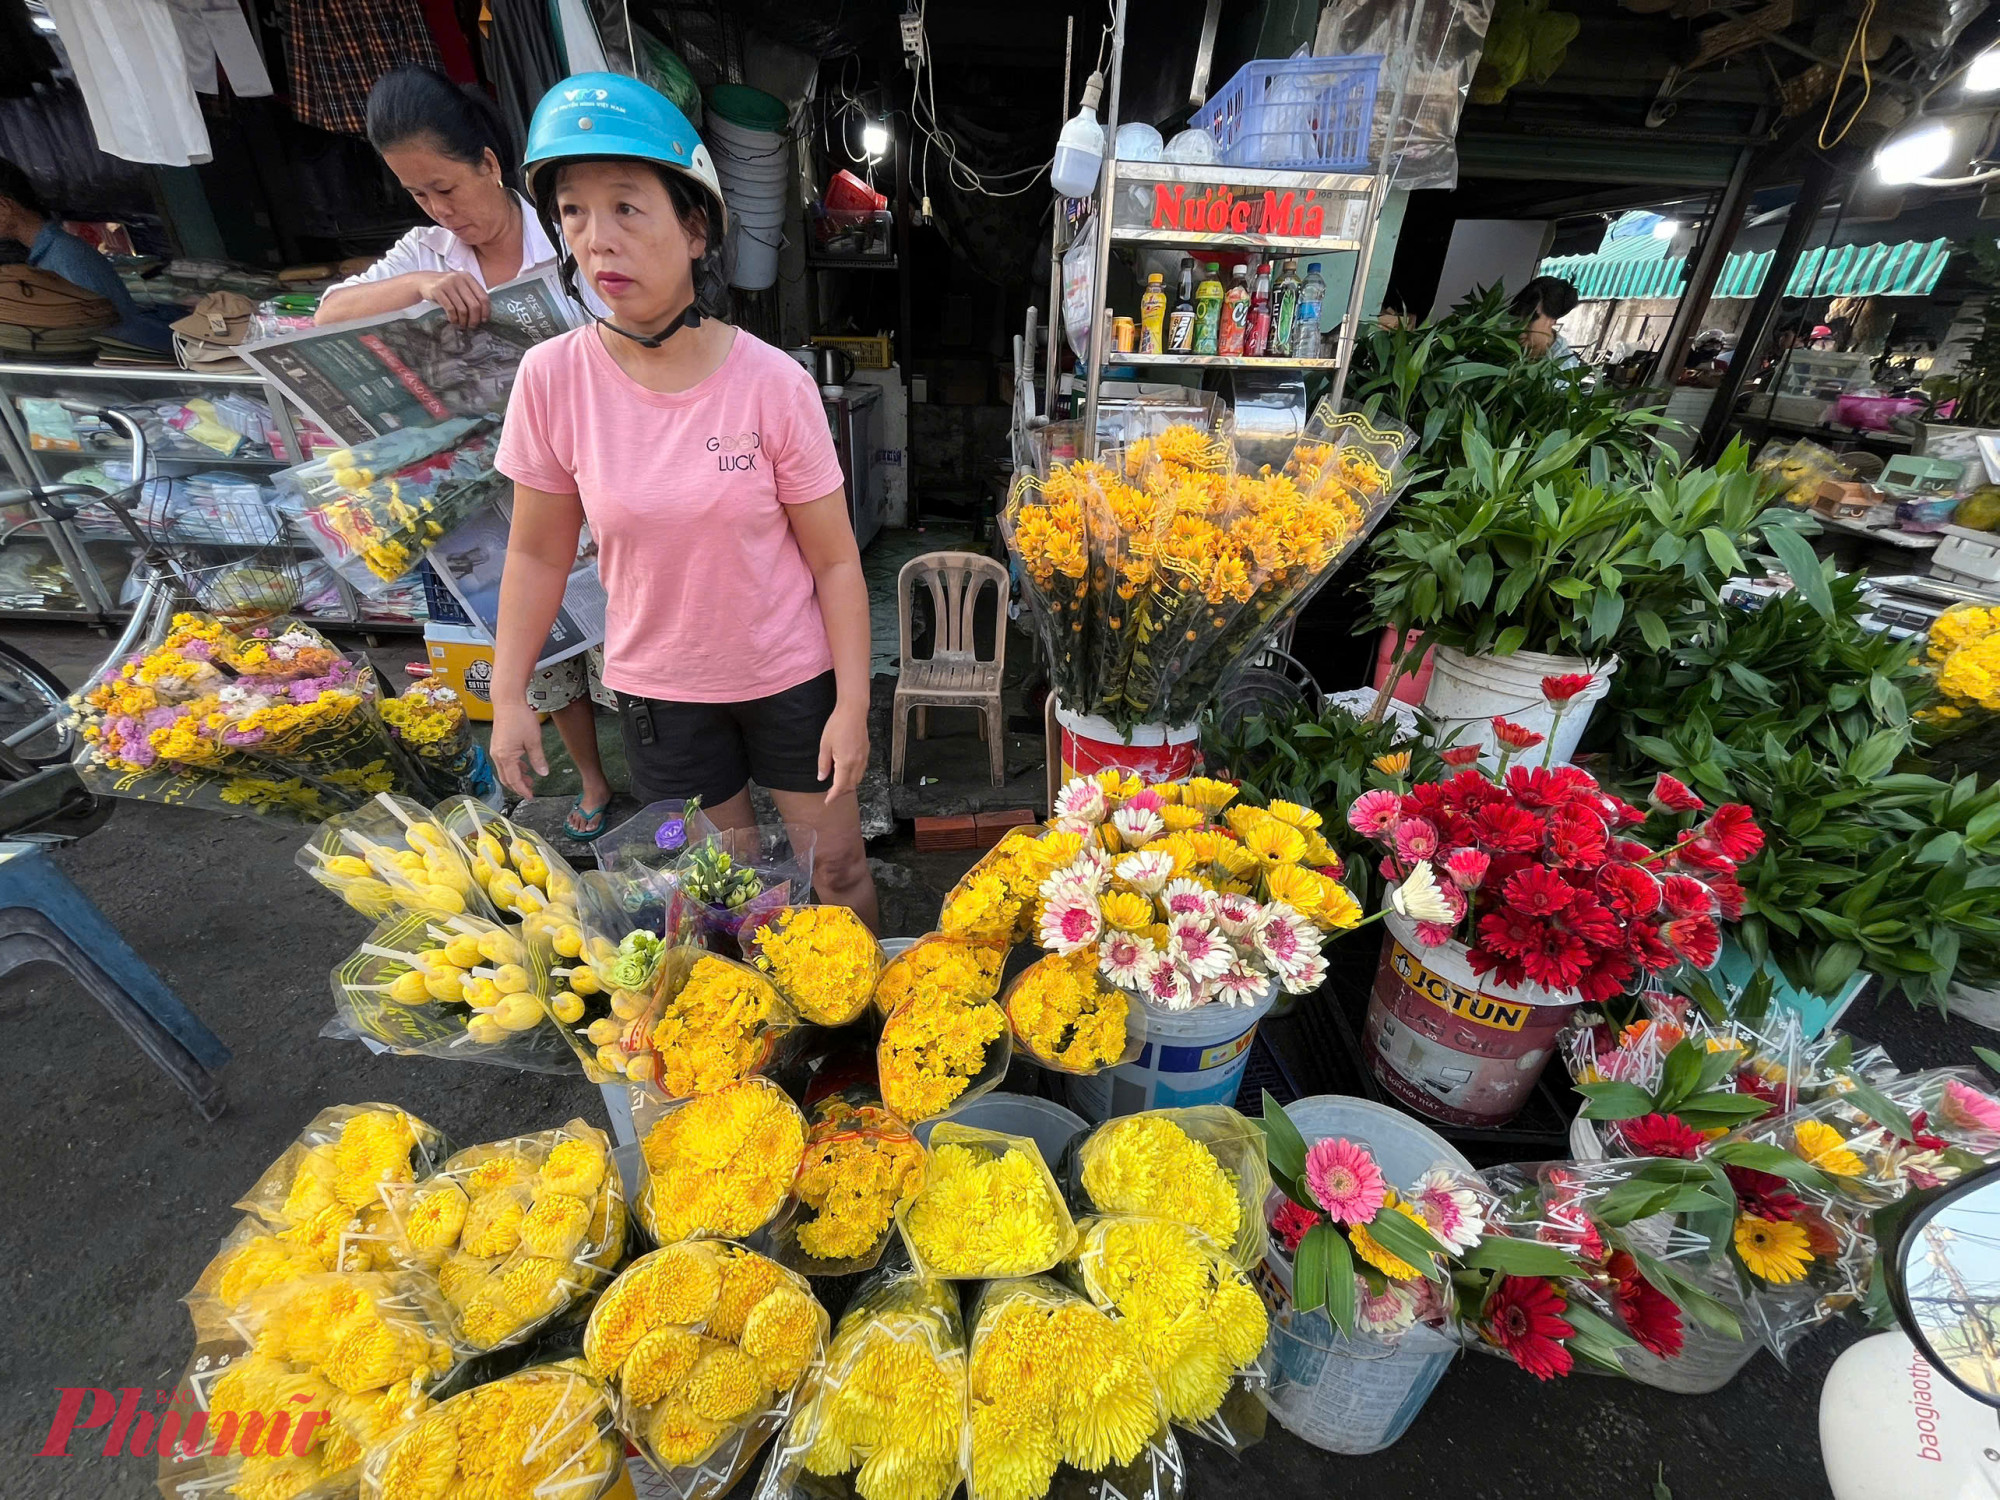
(1910, 269)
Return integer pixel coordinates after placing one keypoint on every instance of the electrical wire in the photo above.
(961, 173)
(1857, 43)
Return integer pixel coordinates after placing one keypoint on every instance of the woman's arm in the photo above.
(461, 296)
(826, 537)
(541, 549)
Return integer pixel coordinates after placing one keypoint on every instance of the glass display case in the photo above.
(213, 443)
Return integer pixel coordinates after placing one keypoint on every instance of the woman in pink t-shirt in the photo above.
(737, 633)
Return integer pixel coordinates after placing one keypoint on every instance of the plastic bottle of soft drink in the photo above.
(1180, 323)
(1257, 336)
(1284, 309)
(1235, 315)
(1208, 310)
(1153, 316)
(1312, 296)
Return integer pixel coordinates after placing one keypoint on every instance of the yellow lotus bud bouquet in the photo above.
(515, 1231)
(543, 1431)
(860, 1165)
(944, 1038)
(394, 854)
(989, 1207)
(1203, 1166)
(707, 1347)
(606, 970)
(889, 1415)
(823, 960)
(1160, 566)
(514, 867)
(453, 987)
(717, 1164)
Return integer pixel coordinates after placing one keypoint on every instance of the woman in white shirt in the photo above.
(448, 148)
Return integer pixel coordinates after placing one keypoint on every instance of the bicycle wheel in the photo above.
(30, 691)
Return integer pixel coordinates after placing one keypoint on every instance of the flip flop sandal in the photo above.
(583, 824)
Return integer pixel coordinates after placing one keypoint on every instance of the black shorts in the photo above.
(712, 750)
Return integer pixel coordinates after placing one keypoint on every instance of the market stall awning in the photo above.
(1909, 269)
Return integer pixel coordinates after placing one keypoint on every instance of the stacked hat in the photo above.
(209, 336)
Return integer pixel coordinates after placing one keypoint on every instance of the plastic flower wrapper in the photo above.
(452, 987)
(392, 855)
(887, 1418)
(821, 958)
(739, 877)
(514, 867)
(1202, 1166)
(1057, 1385)
(966, 970)
(516, 1231)
(861, 1164)
(605, 970)
(999, 898)
(655, 836)
(542, 1431)
(989, 1208)
(717, 1164)
(429, 721)
(1196, 1318)
(709, 1348)
(1066, 1016)
(940, 1047)
(716, 1022)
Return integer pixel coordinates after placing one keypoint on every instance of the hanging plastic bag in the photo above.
(891, 1401)
(1204, 1166)
(707, 1346)
(1066, 1016)
(989, 1207)
(964, 969)
(1032, 1417)
(1193, 1313)
(740, 876)
(516, 1231)
(823, 959)
(393, 854)
(861, 1164)
(544, 1431)
(717, 1164)
(452, 987)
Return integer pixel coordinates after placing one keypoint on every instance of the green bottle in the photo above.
(1208, 310)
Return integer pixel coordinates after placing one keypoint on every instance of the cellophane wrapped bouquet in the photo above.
(1203, 1166)
(429, 721)
(861, 1164)
(717, 1164)
(606, 971)
(739, 877)
(707, 1346)
(944, 1038)
(1159, 567)
(823, 959)
(516, 1232)
(393, 854)
(988, 1207)
(269, 719)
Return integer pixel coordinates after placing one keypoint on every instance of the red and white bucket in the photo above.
(1157, 752)
(1451, 1045)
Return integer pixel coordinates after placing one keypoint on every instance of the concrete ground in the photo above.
(121, 1192)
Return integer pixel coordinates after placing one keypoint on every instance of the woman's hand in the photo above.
(517, 747)
(843, 748)
(461, 296)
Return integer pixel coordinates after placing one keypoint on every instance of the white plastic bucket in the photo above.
(752, 256)
(721, 129)
(1052, 1126)
(1355, 1395)
(764, 180)
(1190, 1057)
(1467, 692)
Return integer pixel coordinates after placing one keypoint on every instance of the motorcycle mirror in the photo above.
(1944, 1283)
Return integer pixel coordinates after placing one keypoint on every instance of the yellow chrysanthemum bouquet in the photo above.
(823, 960)
(1160, 565)
(1054, 1382)
(860, 1165)
(890, 1410)
(717, 1164)
(989, 1207)
(945, 1039)
(543, 1431)
(1069, 1018)
(716, 1022)
(1204, 1167)
(429, 720)
(394, 855)
(706, 1345)
(515, 1231)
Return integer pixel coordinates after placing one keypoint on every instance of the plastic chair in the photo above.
(44, 918)
(952, 676)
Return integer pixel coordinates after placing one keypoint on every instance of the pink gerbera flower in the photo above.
(1390, 1313)
(1467, 867)
(1081, 803)
(1126, 959)
(1167, 987)
(1305, 974)
(1188, 898)
(1374, 813)
(1241, 984)
(1147, 872)
(1416, 838)
(1070, 921)
(1237, 915)
(1967, 1108)
(1285, 938)
(1138, 825)
(1345, 1181)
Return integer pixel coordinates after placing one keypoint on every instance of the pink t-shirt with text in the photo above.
(711, 600)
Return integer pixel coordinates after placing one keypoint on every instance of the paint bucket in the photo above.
(1190, 1057)
(1158, 752)
(1467, 693)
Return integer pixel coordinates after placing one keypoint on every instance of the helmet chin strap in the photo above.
(689, 318)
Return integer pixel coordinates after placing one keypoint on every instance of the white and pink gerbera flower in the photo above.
(1195, 945)
(1167, 987)
(1451, 1210)
(1138, 825)
(1081, 804)
(1240, 984)
(1305, 975)
(1286, 938)
(1187, 898)
(1375, 813)
(1070, 920)
(1147, 871)
(1126, 959)
(1237, 915)
(1390, 1313)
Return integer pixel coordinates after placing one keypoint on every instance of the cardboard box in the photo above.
(462, 659)
(1844, 499)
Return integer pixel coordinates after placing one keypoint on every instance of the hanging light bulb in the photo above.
(1982, 74)
(875, 139)
(1914, 152)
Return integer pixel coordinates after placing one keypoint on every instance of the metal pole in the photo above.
(1705, 266)
(1056, 248)
(1814, 190)
(1100, 322)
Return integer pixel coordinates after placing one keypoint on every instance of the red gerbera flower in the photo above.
(1684, 896)
(1605, 978)
(1649, 1313)
(1459, 756)
(1623, 814)
(1506, 829)
(1514, 737)
(1670, 795)
(1734, 832)
(1560, 690)
(1524, 1316)
(1728, 895)
(1291, 1222)
(1661, 1135)
(1533, 786)
(1470, 791)
(1647, 947)
(1920, 1133)
(1705, 855)
(1558, 964)
(1577, 836)
(1538, 891)
(1629, 890)
(1501, 968)
(1750, 1081)
(1590, 920)
(1510, 932)
(1696, 939)
(1764, 1195)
